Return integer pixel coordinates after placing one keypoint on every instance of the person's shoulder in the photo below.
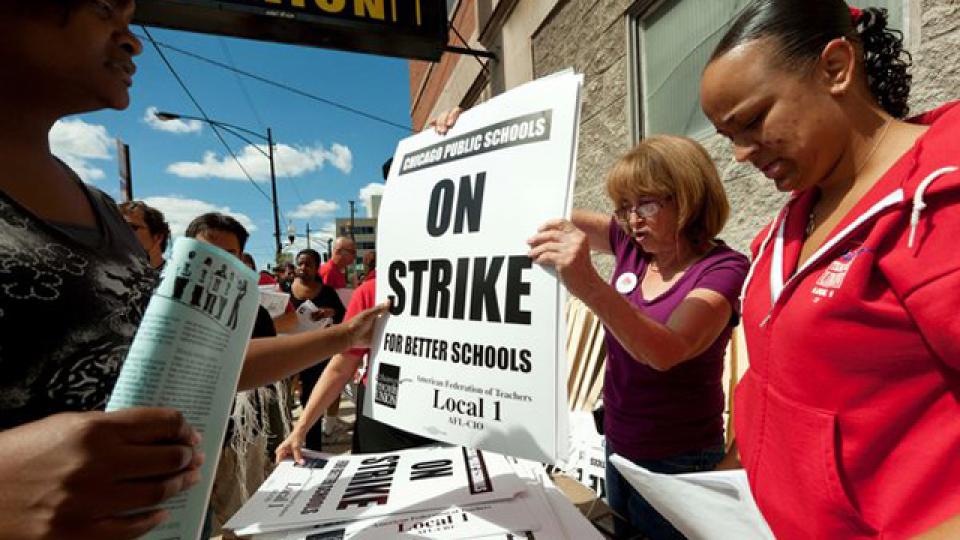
(367, 286)
(934, 155)
(946, 116)
(724, 255)
(104, 202)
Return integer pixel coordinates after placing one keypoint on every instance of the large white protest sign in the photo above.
(473, 353)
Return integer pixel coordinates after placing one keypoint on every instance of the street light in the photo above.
(234, 130)
(292, 233)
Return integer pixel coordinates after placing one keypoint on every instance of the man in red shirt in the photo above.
(333, 272)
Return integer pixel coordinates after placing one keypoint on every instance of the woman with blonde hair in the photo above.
(668, 310)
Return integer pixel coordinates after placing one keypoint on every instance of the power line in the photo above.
(250, 104)
(283, 86)
(203, 113)
(293, 184)
(243, 87)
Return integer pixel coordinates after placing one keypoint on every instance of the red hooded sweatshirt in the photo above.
(848, 419)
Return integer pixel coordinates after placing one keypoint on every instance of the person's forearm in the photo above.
(271, 359)
(595, 225)
(647, 341)
(948, 530)
(286, 323)
(328, 389)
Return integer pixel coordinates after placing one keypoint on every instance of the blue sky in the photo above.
(325, 156)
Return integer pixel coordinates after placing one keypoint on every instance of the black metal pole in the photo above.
(273, 189)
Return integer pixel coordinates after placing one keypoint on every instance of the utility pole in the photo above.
(126, 176)
(351, 221)
(308, 235)
(273, 188)
(329, 248)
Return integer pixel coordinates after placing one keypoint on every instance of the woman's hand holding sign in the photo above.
(560, 244)
(446, 120)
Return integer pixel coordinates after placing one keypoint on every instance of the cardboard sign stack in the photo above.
(436, 492)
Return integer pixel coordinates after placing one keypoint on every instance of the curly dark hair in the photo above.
(886, 62)
(802, 29)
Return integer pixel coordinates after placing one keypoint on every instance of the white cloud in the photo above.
(317, 208)
(289, 160)
(170, 126)
(180, 211)
(341, 157)
(367, 192)
(77, 142)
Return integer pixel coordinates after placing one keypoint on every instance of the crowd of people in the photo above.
(846, 421)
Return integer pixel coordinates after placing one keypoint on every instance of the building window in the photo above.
(669, 43)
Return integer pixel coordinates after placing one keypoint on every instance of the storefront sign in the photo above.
(414, 29)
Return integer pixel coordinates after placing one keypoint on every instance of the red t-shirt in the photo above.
(332, 276)
(848, 420)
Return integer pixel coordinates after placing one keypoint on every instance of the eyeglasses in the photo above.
(645, 208)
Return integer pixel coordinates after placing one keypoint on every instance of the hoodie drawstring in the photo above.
(919, 204)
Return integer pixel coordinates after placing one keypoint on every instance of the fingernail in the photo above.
(200, 457)
(197, 438)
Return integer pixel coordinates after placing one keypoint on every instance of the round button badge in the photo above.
(626, 283)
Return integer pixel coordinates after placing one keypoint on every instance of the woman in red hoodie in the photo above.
(848, 420)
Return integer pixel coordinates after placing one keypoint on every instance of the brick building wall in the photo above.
(590, 35)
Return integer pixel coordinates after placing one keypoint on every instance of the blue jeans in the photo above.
(642, 517)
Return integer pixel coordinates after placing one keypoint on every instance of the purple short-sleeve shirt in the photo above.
(654, 414)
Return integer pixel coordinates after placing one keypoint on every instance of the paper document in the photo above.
(273, 300)
(714, 505)
(305, 318)
(351, 487)
(187, 355)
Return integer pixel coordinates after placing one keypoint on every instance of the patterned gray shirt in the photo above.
(68, 310)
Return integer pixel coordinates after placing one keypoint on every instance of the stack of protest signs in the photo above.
(473, 351)
(434, 492)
